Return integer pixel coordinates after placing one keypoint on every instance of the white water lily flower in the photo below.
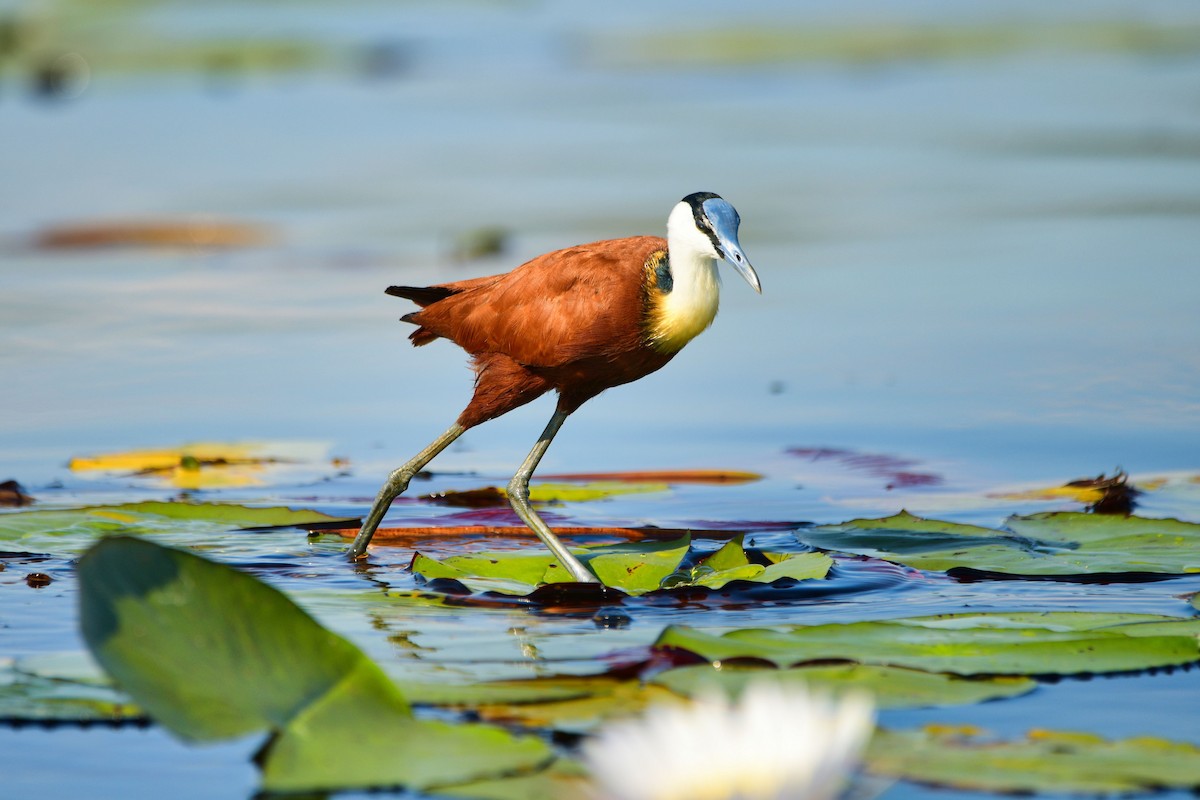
(777, 742)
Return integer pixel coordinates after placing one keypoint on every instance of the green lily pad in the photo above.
(513, 692)
(584, 492)
(636, 567)
(1114, 543)
(562, 703)
(1045, 761)
(731, 563)
(213, 653)
(561, 779)
(68, 532)
(61, 687)
(900, 534)
(1029, 643)
(633, 567)
(34, 698)
(892, 687)
(1049, 544)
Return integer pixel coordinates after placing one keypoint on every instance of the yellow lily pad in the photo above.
(207, 465)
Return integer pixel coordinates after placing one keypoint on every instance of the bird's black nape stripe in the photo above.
(663, 276)
(696, 201)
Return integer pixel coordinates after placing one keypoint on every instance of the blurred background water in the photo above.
(977, 226)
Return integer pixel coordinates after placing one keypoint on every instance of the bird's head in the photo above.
(704, 224)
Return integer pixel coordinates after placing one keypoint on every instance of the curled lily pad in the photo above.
(213, 653)
(1026, 643)
(1044, 761)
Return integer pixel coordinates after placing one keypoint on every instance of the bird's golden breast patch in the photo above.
(680, 304)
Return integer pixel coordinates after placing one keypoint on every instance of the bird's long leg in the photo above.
(518, 498)
(395, 485)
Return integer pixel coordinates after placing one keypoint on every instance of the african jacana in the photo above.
(579, 321)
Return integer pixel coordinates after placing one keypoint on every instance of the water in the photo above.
(982, 262)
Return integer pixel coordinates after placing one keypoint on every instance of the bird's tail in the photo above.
(421, 295)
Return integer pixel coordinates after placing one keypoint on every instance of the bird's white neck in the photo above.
(690, 306)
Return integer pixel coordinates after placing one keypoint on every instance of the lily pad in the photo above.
(213, 653)
(1045, 761)
(544, 493)
(35, 698)
(892, 687)
(901, 535)
(601, 698)
(633, 567)
(703, 476)
(561, 779)
(1049, 544)
(68, 532)
(1028, 643)
(210, 465)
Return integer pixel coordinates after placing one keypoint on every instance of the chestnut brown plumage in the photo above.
(576, 321)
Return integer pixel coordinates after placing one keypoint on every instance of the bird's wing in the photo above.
(581, 302)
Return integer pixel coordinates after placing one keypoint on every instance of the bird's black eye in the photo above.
(663, 276)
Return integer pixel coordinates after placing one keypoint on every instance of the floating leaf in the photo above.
(566, 703)
(636, 567)
(1048, 544)
(517, 576)
(1045, 761)
(633, 567)
(415, 533)
(731, 563)
(70, 531)
(703, 476)
(207, 465)
(892, 687)
(1029, 643)
(731, 555)
(489, 496)
(31, 693)
(858, 44)
(562, 779)
(1116, 543)
(578, 704)
(213, 653)
(901, 535)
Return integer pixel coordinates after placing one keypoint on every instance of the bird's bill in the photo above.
(725, 223)
(737, 259)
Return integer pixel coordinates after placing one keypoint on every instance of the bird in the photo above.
(576, 321)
